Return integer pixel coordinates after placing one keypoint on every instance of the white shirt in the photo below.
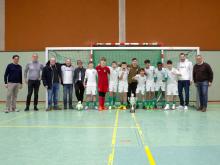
(160, 74)
(172, 76)
(114, 72)
(125, 75)
(186, 69)
(90, 76)
(67, 74)
(141, 80)
(150, 73)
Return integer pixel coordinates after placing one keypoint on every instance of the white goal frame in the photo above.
(91, 49)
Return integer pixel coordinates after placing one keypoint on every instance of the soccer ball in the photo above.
(79, 106)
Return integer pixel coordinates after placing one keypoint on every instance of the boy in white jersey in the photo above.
(113, 84)
(123, 85)
(150, 85)
(159, 79)
(140, 90)
(172, 85)
(91, 85)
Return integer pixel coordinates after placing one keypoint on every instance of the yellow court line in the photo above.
(146, 148)
(17, 117)
(112, 154)
(61, 126)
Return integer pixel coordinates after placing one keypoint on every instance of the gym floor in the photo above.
(110, 137)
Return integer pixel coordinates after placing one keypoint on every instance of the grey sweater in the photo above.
(32, 71)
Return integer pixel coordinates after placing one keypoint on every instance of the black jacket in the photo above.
(202, 73)
(76, 74)
(47, 74)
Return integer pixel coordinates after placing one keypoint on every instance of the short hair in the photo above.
(147, 61)
(169, 62)
(102, 59)
(133, 59)
(34, 54)
(182, 54)
(124, 63)
(142, 69)
(78, 61)
(114, 62)
(68, 59)
(90, 62)
(14, 56)
(159, 63)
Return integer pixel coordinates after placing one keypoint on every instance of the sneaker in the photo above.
(101, 108)
(173, 107)
(6, 111)
(185, 107)
(110, 107)
(71, 107)
(180, 107)
(49, 109)
(56, 108)
(26, 109)
(113, 107)
(15, 110)
(200, 108)
(96, 107)
(86, 108)
(203, 109)
(167, 107)
(120, 107)
(35, 108)
(105, 108)
(124, 107)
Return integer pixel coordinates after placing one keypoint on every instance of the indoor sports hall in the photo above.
(109, 82)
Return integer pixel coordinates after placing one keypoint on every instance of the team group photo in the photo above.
(109, 82)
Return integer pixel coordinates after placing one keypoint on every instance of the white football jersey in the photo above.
(113, 77)
(160, 74)
(141, 80)
(125, 75)
(172, 77)
(90, 76)
(150, 73)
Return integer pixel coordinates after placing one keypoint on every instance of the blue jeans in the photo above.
(53, 95)
(203, 93)
(67, 90)
(184, 84)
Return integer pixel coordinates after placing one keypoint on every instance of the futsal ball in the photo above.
(79, 106)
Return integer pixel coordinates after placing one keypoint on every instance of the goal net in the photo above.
(123, 54)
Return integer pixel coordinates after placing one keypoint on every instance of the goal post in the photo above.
(123, 54)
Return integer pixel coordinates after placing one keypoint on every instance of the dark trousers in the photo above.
(184, 84)
(67, 91)
(33, 85)
(203, 93)
(131, 89)
(79, 90)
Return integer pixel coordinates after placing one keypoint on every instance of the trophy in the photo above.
(132, 101)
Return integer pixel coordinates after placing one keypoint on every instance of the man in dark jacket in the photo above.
(79, 75)
(203, 77)
(51, 77)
